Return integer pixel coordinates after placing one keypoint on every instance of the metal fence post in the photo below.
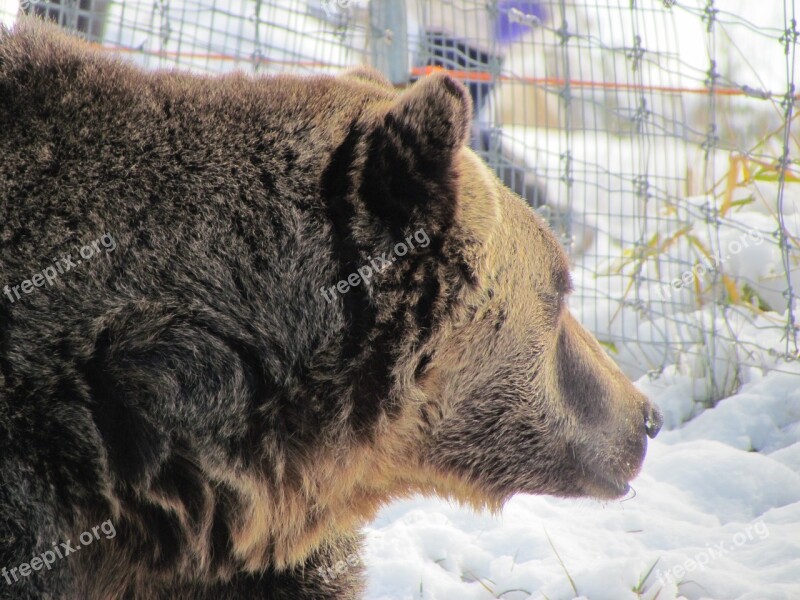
(388, 39)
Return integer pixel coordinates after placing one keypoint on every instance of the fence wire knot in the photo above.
(790, 36)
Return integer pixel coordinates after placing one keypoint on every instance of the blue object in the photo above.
(506, 30)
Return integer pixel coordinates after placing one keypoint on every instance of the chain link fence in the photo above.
(659, 137)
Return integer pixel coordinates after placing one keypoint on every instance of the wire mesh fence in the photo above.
(657, 136)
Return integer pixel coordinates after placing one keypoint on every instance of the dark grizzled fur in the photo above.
(232, 201)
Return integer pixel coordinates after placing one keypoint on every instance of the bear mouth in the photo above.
(608, 488)
(610, 483)
(610, 479)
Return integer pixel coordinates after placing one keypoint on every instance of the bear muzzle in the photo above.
(609, 477)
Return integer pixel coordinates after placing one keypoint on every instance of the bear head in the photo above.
(501, 390)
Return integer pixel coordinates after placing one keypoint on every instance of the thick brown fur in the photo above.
(195, 387)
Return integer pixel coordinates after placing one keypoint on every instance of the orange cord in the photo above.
(456, 74)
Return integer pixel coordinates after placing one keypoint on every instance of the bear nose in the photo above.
(653, 420)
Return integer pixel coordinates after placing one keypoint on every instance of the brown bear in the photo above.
(239, 314)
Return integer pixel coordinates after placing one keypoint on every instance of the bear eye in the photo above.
(552, 298)
(554, 303)
(563, 282)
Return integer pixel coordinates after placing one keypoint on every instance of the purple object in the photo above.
(506, 30)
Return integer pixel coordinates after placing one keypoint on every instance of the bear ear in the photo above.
(432, 119)
(410, 176)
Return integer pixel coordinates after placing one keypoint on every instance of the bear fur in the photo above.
(202, 380)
